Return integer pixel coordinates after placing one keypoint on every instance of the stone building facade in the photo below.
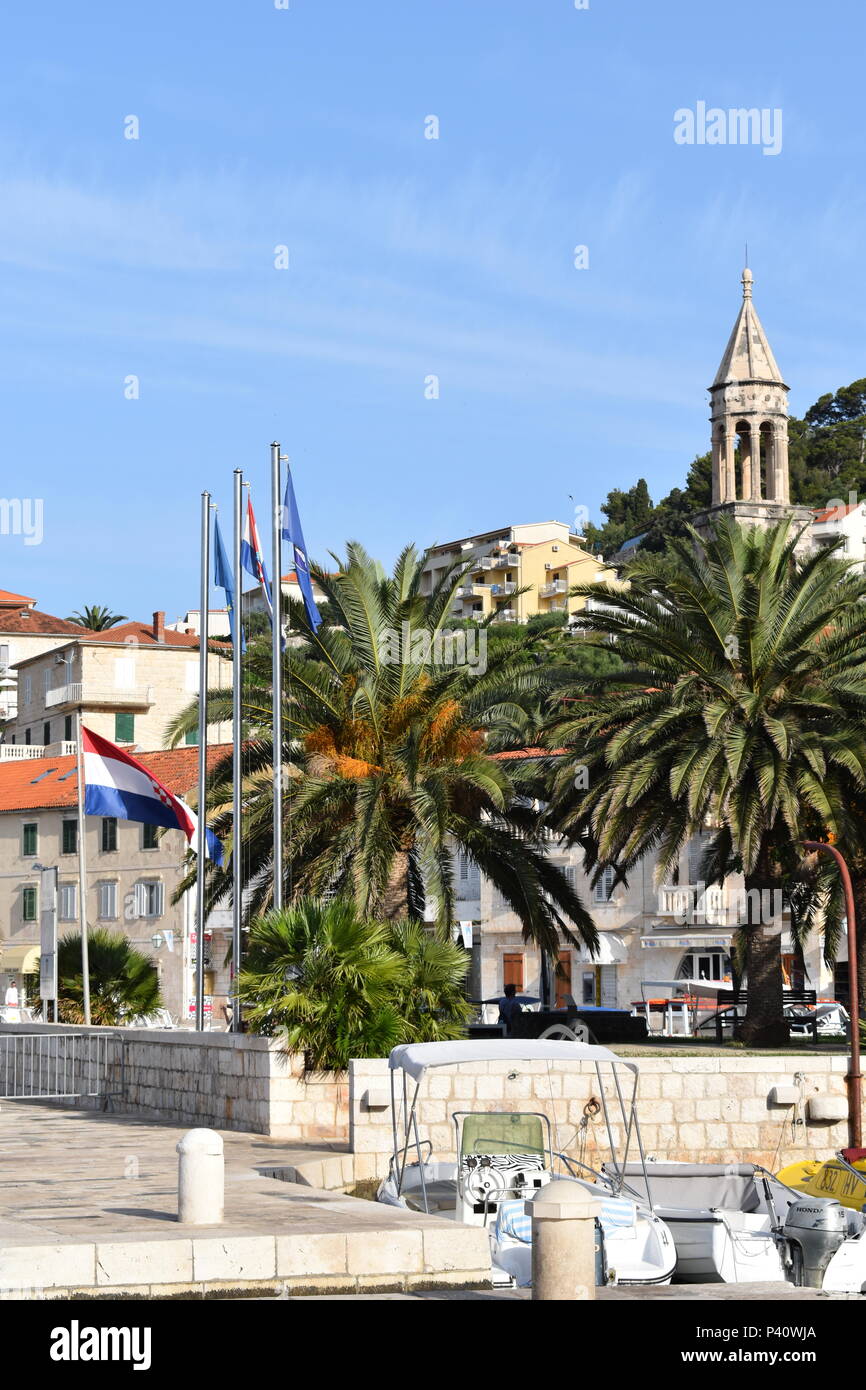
(132, 875)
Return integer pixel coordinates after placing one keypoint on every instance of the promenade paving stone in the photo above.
(75, 1178)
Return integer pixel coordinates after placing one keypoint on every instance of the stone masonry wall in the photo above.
(220, 1080)
(702, 1109)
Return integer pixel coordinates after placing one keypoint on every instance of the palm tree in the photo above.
(388, 770)
(96, 618)
(124, 983)
(332, 984)
(741, 708)
(430, 996)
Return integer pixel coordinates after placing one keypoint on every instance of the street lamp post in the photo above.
(852, 1080)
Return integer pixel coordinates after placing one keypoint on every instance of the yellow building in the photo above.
(545, 559)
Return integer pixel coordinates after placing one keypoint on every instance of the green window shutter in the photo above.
(29, 904)
(191, 736)
(70, 837)
(30, 838)
(124, 728)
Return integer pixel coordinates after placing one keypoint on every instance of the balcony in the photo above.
(99, 696)
(15, 752)
(505, 615)
(691, 907)
(502, 590)
(472, 591)
(505, 562)
(555, 586)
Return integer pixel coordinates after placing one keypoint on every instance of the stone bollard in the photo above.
(563, 1242)
(200, 1178)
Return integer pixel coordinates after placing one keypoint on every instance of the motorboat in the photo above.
(501, 1158)
(842, 1177)
(736, 1223)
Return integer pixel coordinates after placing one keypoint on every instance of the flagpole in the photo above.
(201, 831)
(82, 873)
(237, 786)
(277, 671)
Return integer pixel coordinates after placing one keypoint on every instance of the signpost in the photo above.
(48, 938)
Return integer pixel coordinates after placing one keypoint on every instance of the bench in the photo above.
(807, 998)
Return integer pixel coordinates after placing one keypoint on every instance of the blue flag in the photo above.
(224, 579)
(293, 533)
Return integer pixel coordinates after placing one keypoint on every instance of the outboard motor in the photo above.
(814, 1228)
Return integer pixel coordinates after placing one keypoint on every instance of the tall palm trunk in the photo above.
(396, 904)
(764, 1024)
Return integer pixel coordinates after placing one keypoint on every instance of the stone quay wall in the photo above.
(699, 1109)
(217, 1080)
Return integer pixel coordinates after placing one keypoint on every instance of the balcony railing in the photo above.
(85, 693)
(501, 590)
(10, 752)
(690, 906)
(505, 561)
(506, 615)
(555, 586)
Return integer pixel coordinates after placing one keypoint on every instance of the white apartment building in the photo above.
(847, 522)
(25, 632)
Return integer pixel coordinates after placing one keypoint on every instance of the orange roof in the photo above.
(10, 600)
(835, 513)
(33, 784)
(31, 620)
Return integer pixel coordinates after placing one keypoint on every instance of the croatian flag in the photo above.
(252, 559)
(116, 784)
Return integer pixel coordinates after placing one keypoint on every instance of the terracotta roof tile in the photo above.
(31, 620)
(177, 768)
(14, 600)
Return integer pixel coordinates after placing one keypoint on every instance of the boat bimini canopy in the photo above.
(416, 1058)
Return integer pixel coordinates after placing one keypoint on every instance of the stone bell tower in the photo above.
(749, 417)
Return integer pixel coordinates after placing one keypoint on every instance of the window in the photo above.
(603, 890)
(107, 901)
(28, 689)
(124, 672)
(149, 898)
(28, 904)
(4, 657)
(67, 728)
(70, 837)
(124, 728)
(46, 731)
(30, 839)
(46, 679)
(27, 736)
(710, 964)
(191, 736)
(149, 836)
(67, 904)
(109, 834)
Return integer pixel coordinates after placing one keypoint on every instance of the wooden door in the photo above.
(562, 979)
(512, 970)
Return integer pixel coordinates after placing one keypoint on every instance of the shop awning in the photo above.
(611, 950)
(21, 956)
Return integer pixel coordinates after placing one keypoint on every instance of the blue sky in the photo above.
(407, 257)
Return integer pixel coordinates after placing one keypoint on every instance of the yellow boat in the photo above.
(842, 1177)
